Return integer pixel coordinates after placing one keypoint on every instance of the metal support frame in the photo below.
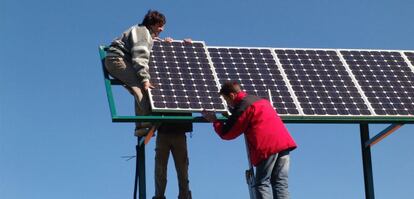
(366, 142)
(366, 162)
(140, 185)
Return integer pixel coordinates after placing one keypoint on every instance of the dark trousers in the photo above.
(177, 144)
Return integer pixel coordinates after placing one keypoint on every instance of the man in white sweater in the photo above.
(127, 60)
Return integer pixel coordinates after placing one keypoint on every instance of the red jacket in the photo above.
(265, 132)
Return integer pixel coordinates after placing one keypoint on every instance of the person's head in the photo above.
(229, 91)
(155, 22)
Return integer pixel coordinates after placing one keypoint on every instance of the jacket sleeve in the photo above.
(234, 126)
(141, 43)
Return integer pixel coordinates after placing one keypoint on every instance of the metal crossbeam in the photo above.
(383, 134)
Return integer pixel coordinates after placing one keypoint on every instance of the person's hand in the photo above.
(168, 39)
(148, 85)
(209, 115)
(187, 41)
(225, 114)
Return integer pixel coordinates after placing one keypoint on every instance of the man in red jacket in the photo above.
(268, 140)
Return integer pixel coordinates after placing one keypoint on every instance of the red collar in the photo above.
(239, 97)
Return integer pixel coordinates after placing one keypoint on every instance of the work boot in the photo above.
(141, 132)
(142, 128)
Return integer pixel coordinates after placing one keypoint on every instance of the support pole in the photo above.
(366, 161)
(140, 170)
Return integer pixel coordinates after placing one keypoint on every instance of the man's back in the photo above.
(266, 134)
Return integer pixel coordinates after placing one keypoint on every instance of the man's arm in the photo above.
(140, 43)
(233, 127)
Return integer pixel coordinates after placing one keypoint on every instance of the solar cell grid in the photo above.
(256, 70)
(321, 82)
(385, 78)
(183, 78)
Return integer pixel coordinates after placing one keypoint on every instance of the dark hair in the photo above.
(153, 17)
(229, 87)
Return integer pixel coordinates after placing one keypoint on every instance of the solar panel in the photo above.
(385, 78)
(313, 82)
(321, 82)
(256, 71)
(183, 77)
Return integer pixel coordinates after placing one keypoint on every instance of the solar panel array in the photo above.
(313, 82)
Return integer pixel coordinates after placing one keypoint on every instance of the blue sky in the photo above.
(57, 139)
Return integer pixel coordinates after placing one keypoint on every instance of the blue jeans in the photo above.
(272, 177)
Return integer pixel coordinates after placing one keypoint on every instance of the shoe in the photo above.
(141, 132)
(145, 127)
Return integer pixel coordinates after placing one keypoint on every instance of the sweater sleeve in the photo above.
(141, 43)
